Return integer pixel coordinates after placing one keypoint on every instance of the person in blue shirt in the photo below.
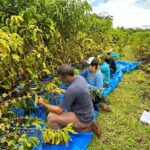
(104, 67)
(94, 78)
(93, 74)
(111, 62)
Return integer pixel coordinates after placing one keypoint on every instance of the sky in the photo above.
(126, 13)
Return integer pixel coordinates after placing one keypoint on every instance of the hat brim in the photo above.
(109, 51)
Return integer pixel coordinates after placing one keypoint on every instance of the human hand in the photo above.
(62, 91)
(58, 91)
(40, 100)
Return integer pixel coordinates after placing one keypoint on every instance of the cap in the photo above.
(90, 60)
(110, 50)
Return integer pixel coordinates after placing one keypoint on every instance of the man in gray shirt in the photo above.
(78, 103)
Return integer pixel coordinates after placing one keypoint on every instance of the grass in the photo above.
(121, 129)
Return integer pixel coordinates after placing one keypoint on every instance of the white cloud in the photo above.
(126, 13)
(144, 3)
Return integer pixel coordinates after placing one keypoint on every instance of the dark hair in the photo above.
(66, 70)
(95, 62)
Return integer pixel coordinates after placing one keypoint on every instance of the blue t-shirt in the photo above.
(95, 81)
(106, 72)
(77, 99)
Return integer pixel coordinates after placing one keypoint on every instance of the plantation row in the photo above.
(36, 37)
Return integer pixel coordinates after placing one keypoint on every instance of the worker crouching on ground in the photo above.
(94, 78)
(77, 100)
(104, 67)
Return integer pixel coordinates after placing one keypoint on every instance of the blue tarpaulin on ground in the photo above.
(81, 140)
(122, 67)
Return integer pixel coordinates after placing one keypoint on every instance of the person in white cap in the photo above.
(94, 79)
(93, 74)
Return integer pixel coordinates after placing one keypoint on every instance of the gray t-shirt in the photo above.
(77, 99)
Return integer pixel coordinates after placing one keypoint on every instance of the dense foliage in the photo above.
(140, 42)
(36, 37)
